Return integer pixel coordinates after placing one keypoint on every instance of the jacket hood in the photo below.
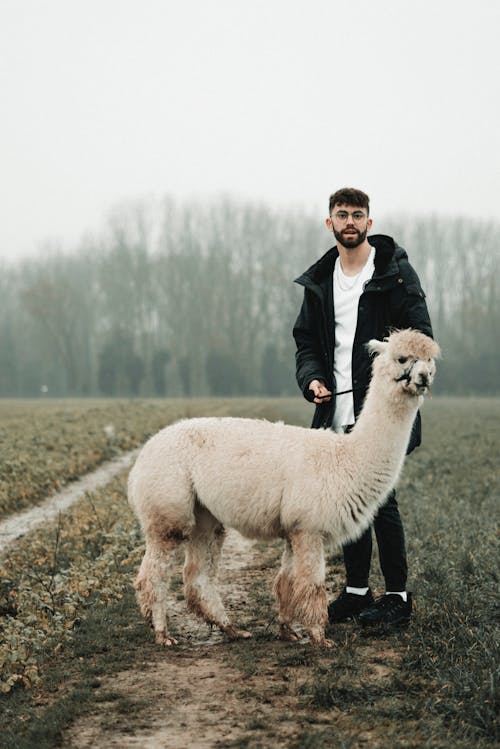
(387, 254)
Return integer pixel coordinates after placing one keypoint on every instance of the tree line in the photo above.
(198, 299)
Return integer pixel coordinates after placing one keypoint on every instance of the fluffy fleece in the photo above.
(199, 476)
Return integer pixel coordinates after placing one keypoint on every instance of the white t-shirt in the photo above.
(346, 293)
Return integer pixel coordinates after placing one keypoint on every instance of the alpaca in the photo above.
(270, 480)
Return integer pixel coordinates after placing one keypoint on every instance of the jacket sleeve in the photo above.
(412, 312)
(309, 358)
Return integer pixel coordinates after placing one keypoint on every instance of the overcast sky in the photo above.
(280, 101)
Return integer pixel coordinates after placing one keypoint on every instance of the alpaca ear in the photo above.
(376, 347)
(436, 351)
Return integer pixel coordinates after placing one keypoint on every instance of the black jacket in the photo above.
(392, 298)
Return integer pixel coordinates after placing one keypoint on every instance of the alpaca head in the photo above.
(406, 358)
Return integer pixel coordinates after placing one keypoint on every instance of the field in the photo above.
(78, 668)
(44, 444)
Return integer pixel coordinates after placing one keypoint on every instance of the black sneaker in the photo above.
(348, 606)
(387, 610)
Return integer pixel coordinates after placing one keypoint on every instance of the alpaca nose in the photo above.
(424, 379)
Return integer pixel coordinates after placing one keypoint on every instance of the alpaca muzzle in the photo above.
(416, 383)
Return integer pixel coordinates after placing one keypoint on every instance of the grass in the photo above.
(108, 641)
(432, 685)
(453, 538)
(446, 684)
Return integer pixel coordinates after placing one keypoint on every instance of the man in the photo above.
(360, 289)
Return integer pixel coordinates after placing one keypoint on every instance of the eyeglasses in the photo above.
(356, 216)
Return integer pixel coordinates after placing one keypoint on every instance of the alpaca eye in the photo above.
(403, 359)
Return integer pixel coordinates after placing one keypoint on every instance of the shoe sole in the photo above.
(348, 619)
(386, 625)
(353, 618)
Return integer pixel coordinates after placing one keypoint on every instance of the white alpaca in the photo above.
(199, 476)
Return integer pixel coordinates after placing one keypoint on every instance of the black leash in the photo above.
(342, 392)
(405, 376)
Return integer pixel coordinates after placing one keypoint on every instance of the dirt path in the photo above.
(186, 689)
(208, 692)
(21, 523)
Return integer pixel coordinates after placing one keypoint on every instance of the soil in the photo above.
(211, 692)
(208, 692)
(186, 689)
(429, 686)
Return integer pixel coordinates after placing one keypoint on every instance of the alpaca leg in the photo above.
(306, 602)
(200, 573)
(152, 586)
(283, 586)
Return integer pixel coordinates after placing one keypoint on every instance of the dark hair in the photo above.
(349, 196)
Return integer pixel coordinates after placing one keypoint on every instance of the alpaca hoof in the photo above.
(288, 634)
(236, 634)
(326, 643)
(322, 642)
(162, 638)
(317, 635)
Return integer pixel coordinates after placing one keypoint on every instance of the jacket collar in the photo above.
(387, 252)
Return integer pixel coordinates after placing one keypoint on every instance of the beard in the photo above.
(350, 240)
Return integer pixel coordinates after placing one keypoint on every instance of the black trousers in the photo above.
(391, 549)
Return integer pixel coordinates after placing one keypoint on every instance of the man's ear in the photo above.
(376, 347)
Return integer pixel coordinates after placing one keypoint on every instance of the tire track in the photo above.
(24, 522)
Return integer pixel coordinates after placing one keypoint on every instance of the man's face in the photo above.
(349, 224)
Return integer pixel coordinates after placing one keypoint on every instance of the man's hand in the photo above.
(320, 391)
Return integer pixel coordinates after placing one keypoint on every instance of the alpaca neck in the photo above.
(369, 460)
(380, 436)
(386, 410)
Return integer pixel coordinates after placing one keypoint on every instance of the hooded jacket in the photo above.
(392, 298)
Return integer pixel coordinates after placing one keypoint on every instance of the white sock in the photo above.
(401, 593)
(357, 591)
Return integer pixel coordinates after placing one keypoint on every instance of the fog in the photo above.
(275, 102)
(198, 299)
(166, 169)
